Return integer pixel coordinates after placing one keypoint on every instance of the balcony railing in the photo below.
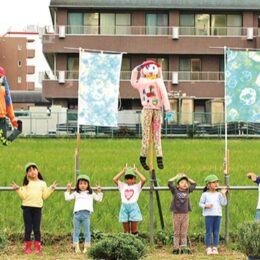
(152, 30)
(126, 75)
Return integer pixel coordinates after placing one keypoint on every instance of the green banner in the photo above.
(242, 86)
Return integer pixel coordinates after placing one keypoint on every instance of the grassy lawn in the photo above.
(101, 159)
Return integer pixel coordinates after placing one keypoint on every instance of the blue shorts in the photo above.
(130, 212)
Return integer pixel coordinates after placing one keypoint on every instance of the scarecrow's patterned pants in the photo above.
(3, 132)
(148, 117)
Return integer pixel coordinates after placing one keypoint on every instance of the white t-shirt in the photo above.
(129, 193)
(83, 200)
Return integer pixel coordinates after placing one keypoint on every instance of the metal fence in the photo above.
(154, 190)
(51, 124)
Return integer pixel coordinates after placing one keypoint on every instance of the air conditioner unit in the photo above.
(62, 31)
(175, 33)
(175, 80)
(250, 33)
(61, 76)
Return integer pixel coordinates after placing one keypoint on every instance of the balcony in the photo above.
(64, 30)
(205, 84)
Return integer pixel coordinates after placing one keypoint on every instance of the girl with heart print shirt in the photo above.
(130, 213)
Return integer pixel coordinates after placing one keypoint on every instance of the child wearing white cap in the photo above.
(130, 213)
(83, 208)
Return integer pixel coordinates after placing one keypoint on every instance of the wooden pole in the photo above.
(153, 183)
(151, 211)
(77, 157)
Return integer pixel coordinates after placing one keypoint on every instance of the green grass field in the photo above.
(101, 159)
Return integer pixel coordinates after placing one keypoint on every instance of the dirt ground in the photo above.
(63, 252)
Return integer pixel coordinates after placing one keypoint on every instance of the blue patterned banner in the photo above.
(242, 86)
(99, 76)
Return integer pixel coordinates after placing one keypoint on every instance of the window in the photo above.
(73, 66)
(123, 22)
(126, 68)
(75, 23)
(221, 68)
(234, 24)
(111, 23)
(210, 24)
(19, 47)
(19, 80)
(218, 24)
(90, 23)
(190, 68)
(157, 24)
(187, 24)
(202, 24)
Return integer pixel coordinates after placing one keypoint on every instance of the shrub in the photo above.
(118, 246)
(249, 242)
(3, 241)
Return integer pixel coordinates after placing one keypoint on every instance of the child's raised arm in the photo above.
(175, 177)
(140, 175)
(117, 177)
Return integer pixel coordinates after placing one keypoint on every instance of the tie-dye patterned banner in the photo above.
(242, 86)
(99, 76)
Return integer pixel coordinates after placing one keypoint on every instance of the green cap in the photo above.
(83, 177)
(29, 164)
(130, 172)
(211, 178)
(183, 176)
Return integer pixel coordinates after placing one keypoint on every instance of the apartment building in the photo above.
(18, 58)
(186, 37)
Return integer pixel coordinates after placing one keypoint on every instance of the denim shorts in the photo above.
(130, 212)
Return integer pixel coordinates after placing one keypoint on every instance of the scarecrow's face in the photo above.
(150, 70)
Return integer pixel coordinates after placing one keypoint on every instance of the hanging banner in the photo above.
(99, 76)
(242, 86)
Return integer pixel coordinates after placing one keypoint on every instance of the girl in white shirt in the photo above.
(83, 207)
(130, 213)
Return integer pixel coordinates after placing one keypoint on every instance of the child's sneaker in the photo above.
(209, 251)
(77, 249)
(176, 251)
(86, 247)
(214, 251)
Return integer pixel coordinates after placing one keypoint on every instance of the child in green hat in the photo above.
(211, 202)
(32, 194)
(83, 208)
(180, 207)
(130, 213)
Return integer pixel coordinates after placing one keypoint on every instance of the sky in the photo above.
(17, 14)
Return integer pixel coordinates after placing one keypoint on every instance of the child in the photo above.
(6, 109)
(211, 201)
(180, 207)
(130, 213)
(32, 193)
(256, 179)
(83, 208)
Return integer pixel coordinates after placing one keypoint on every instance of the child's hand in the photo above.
(251, 176)
(208, 206)
(125, 168)
(15, 186)
(69, 186)
(98, 188)
(223, 191)
(53, 186)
